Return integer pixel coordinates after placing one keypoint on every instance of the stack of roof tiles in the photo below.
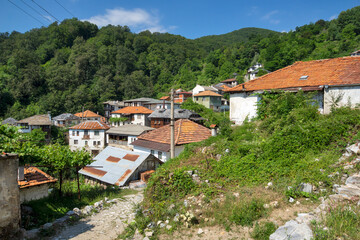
(34, 177)
(313, 74)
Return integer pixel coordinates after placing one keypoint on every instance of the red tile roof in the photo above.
(186, 131)
(336, 71)
(165, 98)
(87, 114)
(229, 80)
(207, 93)
(91, 125)
(34, 176)
(134, 110)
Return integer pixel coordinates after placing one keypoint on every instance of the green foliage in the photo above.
(118, 120)
(263, 230)
(246, 214)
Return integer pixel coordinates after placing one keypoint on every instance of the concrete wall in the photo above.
(349, 96)
(34, 193)
(242, 106)
(9, 197)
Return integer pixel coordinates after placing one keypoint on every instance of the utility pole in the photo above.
(172, 130)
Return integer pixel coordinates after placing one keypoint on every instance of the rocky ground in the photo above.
(106, 224)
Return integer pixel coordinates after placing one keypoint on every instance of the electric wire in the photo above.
(45, 10)
(64, 8)
(26, 12)
(36, 11)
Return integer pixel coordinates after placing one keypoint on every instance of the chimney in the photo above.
(21, 175)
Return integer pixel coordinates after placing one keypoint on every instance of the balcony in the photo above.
(86, 137)
(118, 142)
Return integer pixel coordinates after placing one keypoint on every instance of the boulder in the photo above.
(348, 191)
(306, 187)
(292, 230)
(353, 149)
(353, 180)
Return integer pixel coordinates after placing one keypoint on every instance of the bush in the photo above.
(263, 230)
(246, 214)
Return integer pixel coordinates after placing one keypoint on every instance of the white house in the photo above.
(328, 78)
(132, 114)
(89, 116)
(198, 89)
(89, 135)
(150, 103)
(157, 142)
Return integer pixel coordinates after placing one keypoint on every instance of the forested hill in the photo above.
(65, 66)
(213, 42)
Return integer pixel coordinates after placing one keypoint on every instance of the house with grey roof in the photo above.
(42, 122)
(111, 106)
(66, 120)
(123, 136)
(161, 117)
(150, 103)
(9, 121)
(117, 166)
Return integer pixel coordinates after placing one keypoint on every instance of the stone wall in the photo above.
(9, 197)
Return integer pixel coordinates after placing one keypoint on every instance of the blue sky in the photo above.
(191, 19)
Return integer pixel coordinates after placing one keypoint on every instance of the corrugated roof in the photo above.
(207, 93)
(134, 110)
(129, 129)
(91, 125)
(186, 131)
(178, 114)
(336, 71)
(66, 116)
(115, 172)
(34, 177)
(87, 114)
(42, 119)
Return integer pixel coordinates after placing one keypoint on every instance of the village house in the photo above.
(131, 115)
(9, 121)
(124, 135)
(89, 135)
(198, 88)
(161, 117)
(111, 106)
(157, 142)
(116, 166)
(209, 99)
(89, 116)
(329, 79)
(232, 82)
(66, 120)
(33, 183)
(150, 103)
(42, 122)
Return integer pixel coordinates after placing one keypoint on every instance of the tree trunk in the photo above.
(78, 182)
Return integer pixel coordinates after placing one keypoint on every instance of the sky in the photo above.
(189, 18)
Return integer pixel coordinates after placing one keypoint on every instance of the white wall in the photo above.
(242, 106)
(92, 138)
(350, 96)
(165, 155)
(34, 193)
(27, 130)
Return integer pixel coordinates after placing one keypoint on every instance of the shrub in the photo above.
(263, 230)
(246, 214)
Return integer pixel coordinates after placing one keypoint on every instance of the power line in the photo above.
(64, 8)
(35, 10)
(45, 10)
(26, 12)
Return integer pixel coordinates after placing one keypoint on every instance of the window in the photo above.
(94, 143)
(96, 133)
(76, 141)
(160, 155)
(152, 152)
(86, 143)
(86, 132)
(77, 133)
(98, 143)
(73, 132)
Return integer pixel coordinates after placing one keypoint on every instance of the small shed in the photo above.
(117, 166)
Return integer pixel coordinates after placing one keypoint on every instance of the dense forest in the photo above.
(68, 65)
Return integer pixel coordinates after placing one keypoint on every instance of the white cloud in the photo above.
(137, 19)
(332, 17)
(269, 17)
(253, 11)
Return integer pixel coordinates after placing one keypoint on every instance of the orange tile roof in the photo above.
(225, 87)
(91, 125)
(87, 114)
(229, 80)
(207, 93)
(186, 131)
(134, 110)
(34, 176)
(336, 71)
(165, 98)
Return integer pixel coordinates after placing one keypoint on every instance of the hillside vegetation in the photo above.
(287, 148)
(71, 64)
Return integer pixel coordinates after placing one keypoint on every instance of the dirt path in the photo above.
(105, 225)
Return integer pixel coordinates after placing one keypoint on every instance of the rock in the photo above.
(206, 219)
(353, 180)
(190, 172)
(291, 200)
(348, 191)
(106, 199)
(274, 204)
(176, 218)
(236, 195)
(47, 226)
(297, 203)
(69, 213)
(346, 167)
(171, 206)
(305, 218)
(76, 211)
(168, 227)
(87, 210)
(306, 187)
(159, 222)
(218, 157)
(316, 160)
(289, 188)
(227, 150)
(167, 222)
(162, 225)
(148, 233)
(353, 149)
(32, 234)
(146, 238)
(151, 225)
(292, 231)
(266, 206)
(186, 203)
(62, 220)
(200, 231)
(270, 184)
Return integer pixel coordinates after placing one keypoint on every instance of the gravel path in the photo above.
(105, 225)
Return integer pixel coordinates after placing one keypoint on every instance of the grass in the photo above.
(262, 231)
(52, 207)
(341, 222)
